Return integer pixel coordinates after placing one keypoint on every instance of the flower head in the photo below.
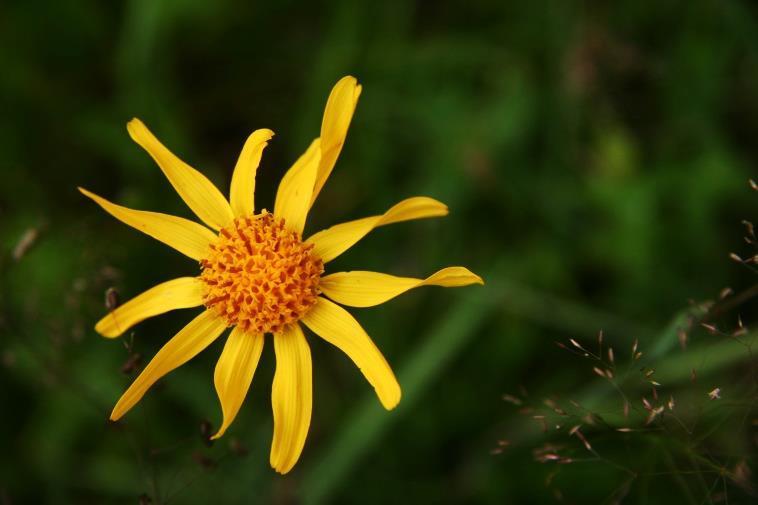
(258, 276)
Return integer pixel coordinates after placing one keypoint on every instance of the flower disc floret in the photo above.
(259, 275)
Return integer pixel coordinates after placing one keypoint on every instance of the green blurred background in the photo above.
(595, 157)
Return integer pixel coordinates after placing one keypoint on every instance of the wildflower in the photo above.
(258, 276)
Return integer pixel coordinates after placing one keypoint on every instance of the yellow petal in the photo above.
(187, 237)
(291, 397)
(337, 116)
(192, 339)
(205, 200)
(181, 293)
(366, 289)
(293, 195)
(335, 325)
(242, 192)
(330, 243)
(234, 373)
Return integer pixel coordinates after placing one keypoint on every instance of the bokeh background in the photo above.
(595, 157)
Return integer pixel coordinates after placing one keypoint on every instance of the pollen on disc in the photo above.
(259, 275)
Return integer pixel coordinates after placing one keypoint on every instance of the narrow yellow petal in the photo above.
(366, 289)
(192, 339)
(181, 293)
(293, 196)
(205, 200)
(242, 192)
(234, 373)
(335, 325)
(187, 237)
(291, 397)
(330, 243)
(337, 116)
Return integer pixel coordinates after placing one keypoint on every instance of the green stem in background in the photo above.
(705, 358)
(675, 474)
(368, 422)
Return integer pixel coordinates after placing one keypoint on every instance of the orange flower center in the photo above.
(260, 275)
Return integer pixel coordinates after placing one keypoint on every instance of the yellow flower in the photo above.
(258, 276)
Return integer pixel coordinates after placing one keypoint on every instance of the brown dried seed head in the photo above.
(584, 440)
(710, 327)
(682, 336)
(25, 243)
(549, 402)
(653, 414)
(750, 239)
(512, 399)
(132, 364)
(589, 419)
(646, 404)
(112, 299)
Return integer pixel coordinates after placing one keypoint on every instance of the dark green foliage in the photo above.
(595, 157)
